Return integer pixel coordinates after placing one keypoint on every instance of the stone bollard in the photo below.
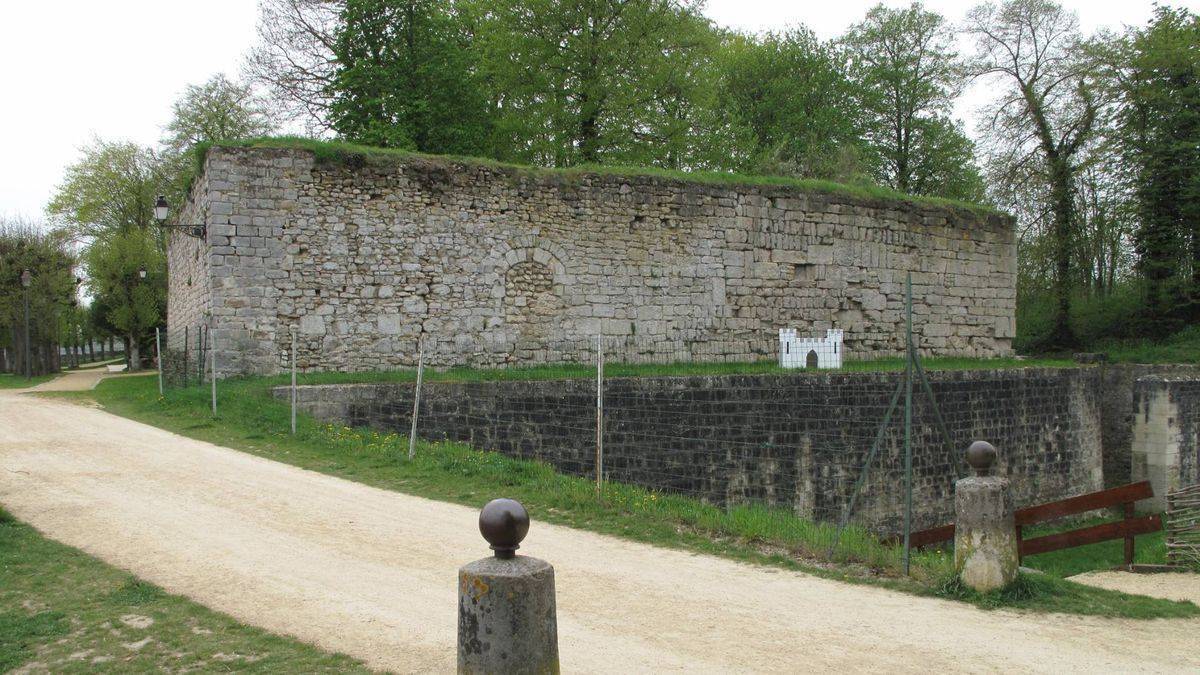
(506, 614)
(985, 534)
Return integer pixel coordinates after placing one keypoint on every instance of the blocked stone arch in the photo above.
(530, 282)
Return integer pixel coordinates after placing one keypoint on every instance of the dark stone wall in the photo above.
(798, 441)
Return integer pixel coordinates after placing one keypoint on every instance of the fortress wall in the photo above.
(363, 257)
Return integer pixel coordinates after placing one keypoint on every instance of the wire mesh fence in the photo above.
(184, 355)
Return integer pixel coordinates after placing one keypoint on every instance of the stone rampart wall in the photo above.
(491, 264)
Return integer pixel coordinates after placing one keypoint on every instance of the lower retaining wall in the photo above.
(797, 441)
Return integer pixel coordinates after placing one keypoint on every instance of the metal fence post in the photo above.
(908, 389)
(293, 360)
(185, 356)
(599, 414)
(158, 358)
(212, 360)
(412, 434)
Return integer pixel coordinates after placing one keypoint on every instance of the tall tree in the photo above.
(218, 110)
(908, 71)
(793, 94)
(106, 203)
(112, 188)
(1044, 114)
(26, 245)
(582, 81)
(405, 77)
(134, 304)
(293, 59)
(1156, 73)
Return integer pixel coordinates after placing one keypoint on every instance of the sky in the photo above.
(77, 69)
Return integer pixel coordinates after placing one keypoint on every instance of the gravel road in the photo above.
(372, 573)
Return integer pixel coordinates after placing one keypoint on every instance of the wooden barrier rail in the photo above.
(1126, 529)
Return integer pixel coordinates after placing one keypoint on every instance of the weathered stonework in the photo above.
(1166, 436)
(795, 441)
(365, 258)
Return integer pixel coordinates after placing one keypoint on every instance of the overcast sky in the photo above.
(75, 69)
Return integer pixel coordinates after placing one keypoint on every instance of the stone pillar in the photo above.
(985, 533)
(506, 614)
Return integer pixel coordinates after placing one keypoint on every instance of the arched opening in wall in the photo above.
(810, 361)
(531, 304)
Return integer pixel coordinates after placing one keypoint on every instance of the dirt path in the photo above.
(372, 573)
(1166, 585)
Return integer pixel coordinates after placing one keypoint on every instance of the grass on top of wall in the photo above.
(351, 154)
(680, 369)
(251, 420)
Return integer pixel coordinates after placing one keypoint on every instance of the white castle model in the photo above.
(823, 352)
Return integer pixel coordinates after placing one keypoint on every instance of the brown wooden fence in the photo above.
(1127, 528)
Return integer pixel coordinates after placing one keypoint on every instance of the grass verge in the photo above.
(64, 611)
(250, 420)
(11, 381)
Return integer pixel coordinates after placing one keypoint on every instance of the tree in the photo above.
(218, 110)
(1155, 73)
(793, 95)
(908, 75)
(293, 60)
(111, 189)
(405, 77)
(26, 245)
(106, 204)
(1045, 113)
(584, 81)
(134, 304)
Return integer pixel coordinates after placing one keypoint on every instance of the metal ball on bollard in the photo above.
(507, 620)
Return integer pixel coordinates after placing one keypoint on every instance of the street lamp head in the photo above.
(161, 209)
(142, 272)
(26, 278)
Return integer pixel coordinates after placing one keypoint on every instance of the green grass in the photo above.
(338, 152)
(1149, 549)
(690, 368)
(251, 420)
(11, 381)
(1182, 347)
(64, 611)
(1037, 591)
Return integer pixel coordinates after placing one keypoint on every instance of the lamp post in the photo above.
(26, 280)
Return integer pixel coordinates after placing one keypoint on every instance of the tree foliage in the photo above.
(26, 245)
(405, 77)
(1155, 77)
(908, 75)
(1042, 117)
(217, 110)
(794, 95)
(111, 188)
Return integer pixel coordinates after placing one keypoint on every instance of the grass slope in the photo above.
(250, 420)
(64, 611)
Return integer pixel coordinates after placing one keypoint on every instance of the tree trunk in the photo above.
(1062, 336)
(131, 349)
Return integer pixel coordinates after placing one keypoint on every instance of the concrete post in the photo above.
(985, 533)
(506, 614)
